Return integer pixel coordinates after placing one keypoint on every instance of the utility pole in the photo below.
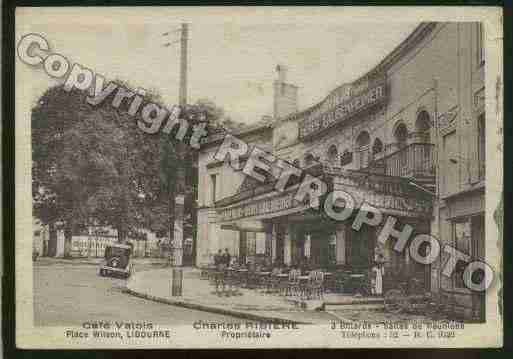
(183, 65)
(179, 202)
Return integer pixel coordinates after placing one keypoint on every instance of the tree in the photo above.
(93, 165)
(74, 160)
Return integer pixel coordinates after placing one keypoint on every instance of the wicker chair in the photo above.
(272, 281)
(219, 281)
(232, 282)
(293, 285)
(315, 285)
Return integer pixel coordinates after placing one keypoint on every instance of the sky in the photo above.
(232, 59)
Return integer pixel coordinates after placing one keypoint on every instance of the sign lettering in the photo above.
(338, 107)
(280, 203)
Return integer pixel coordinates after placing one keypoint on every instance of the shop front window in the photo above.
(307, 246)
(332, 249)
(359, 249)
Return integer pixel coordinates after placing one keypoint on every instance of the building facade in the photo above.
(408, 137)
(91, 242)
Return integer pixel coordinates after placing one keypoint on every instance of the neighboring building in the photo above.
(408, 137)
(90, 242)
(93, 244)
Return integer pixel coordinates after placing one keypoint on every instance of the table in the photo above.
(330, 281)
(243, 276)
(355, 282)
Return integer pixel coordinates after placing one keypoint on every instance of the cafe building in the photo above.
(407, 137)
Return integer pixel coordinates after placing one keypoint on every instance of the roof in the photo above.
(218, 135)
(418, 33)
(422, 30)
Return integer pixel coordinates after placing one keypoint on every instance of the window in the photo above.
(377, 147)
(213, 188)
(251, 244)
(309, 159)
(346, 158)
(332, 249)
(469, 236)
(401, 135)
(480, 44)
(462, 236)
(462, 241)
(332, 154)
(358, 248)
(481, 145)
(423, 126)
(362, 146)
(307, 246)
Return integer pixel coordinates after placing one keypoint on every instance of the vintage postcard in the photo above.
(258, 177)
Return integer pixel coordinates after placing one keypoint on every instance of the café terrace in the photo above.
(407, 137)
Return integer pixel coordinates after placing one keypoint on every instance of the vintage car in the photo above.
(117, 261)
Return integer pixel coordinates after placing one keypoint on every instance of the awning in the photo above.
(247, 226)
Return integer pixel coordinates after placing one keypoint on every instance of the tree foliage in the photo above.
(93, 165)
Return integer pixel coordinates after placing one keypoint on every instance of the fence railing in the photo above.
(414, 160)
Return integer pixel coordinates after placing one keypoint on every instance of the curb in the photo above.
(217, 310)
(78, 261)
(69, 261)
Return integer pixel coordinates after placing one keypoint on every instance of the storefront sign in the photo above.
(408, 206)
(260, 207)
(283, 204)
(342, 104)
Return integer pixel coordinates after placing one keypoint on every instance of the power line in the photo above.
(167, 44)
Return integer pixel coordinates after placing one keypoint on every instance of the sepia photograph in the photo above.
(266, 177)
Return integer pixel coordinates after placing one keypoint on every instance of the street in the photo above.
(71, 294)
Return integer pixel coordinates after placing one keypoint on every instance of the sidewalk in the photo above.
(200, 294)
(97, 261)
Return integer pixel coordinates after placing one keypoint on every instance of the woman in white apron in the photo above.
(377, 284)
(378, 270)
